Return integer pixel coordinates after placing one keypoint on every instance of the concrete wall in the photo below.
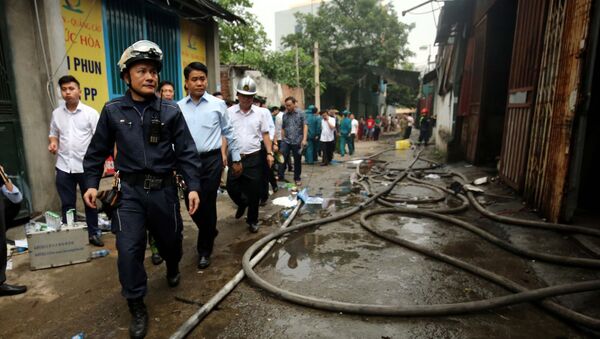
(285, 21)
(444, 114)
(31, 82)
(212, 57)
(274, 92)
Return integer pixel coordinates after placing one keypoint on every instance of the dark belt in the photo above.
(210, 153)
(148, 181)
(248, 155)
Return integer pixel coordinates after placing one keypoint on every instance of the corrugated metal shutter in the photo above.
(521, 91)
(163, 28)
(125, 21)
(133, 20)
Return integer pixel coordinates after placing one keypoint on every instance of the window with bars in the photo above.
(129, 21)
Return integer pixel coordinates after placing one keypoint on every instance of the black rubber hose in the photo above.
(553, 307)
(436, 198)
(400, 310)
(524, 222)
(524, 295)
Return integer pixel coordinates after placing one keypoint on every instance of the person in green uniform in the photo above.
(313, 120)
(345, 129)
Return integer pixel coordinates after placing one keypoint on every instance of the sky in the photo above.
(420, 39)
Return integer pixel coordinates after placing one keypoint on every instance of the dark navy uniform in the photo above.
(149, 197)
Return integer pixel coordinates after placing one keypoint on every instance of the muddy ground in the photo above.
(340, 261)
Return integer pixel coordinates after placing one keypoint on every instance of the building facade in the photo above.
(44, 40)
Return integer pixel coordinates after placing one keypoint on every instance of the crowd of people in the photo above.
(155, 140)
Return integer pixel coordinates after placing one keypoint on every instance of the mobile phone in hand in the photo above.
(3, 178)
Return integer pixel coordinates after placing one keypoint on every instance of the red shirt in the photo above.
(370, 123)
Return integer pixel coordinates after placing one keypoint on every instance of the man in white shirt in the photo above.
(10, 201)
(251, 126)
(353, 132)
(71, 129)
(327, 137)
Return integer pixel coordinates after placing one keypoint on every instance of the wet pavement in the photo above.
(338, 261)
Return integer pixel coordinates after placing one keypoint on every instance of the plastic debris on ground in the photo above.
(303, 194)
(9, 264)
(473, 188)
(288, 201)
(432, 176)
(21, 243)
(314, 201)
(480, 181)
(103, 222)
(79, 335)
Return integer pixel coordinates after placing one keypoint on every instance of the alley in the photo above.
(340, 261)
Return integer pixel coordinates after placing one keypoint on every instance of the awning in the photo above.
(430, 76)
(197, 10)
(451, 14)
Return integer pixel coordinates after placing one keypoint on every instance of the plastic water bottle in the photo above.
(100, 253)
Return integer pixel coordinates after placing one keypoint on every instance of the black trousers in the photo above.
(268, 176)
(296, 152)
(66, 185)
(407, 132)
(206, 216)
(8, 211)
(137, 211)
(245, 189)
(327, 147)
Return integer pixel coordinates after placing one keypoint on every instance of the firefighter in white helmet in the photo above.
(251, 126)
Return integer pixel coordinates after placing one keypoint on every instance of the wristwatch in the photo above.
(270, 153)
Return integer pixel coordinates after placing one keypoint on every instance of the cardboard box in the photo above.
(58, 248)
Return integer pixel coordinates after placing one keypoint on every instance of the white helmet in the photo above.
(246, 86)
(141, 50)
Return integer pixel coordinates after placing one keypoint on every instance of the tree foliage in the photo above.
(401, 95)
(239, 39)
(352, 35)
(246, 45)
(280, 66)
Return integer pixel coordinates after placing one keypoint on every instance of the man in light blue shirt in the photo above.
(8, 210)
(208, 121)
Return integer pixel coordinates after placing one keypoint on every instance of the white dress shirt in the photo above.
(249, 126)
(74, 131)
(278, 123)
(272, 127)
(354, 129)
(327, 133)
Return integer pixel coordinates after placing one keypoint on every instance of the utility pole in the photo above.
(297, 68)
(317, 69)
(317, 83)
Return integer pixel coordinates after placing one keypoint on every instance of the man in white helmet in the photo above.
(251, 126)
(152, 139)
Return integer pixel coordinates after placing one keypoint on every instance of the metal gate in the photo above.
(12, 156)
(552, 124)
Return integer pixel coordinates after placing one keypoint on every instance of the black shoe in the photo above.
(139, 318)
(323, 164)
(156, 259)
(173, 278)
(253, 227)
(262, 202)
(95, 240)
(275, 189)
(6, 289)
(240, 212)
(203, 262)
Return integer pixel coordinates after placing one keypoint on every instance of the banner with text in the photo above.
(84, 41)
(193, 44)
